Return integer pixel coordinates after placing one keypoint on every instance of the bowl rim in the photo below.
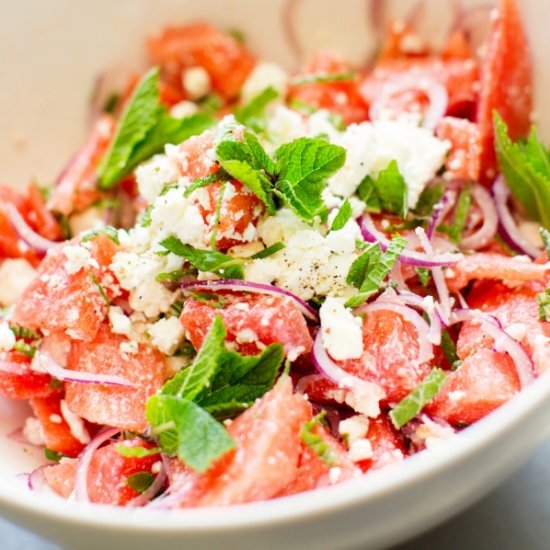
(294, 508)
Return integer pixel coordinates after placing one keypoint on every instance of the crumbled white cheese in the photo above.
(78, 258)
(183, 109)
(154, 175)
(120, 323)
(354, 427)
(365, 398)
(263, 76)
(15, 275)
(166, 334)
(196, 82)
(7, 337)
(343, 241)
(129, 347)
(75, 423)
(342, 332)
(360, 449)
(33, 432)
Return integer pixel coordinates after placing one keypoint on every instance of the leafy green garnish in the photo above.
(140, 481)
(174, 276)
(219, 384)
(448, 347)
(428, 199)
(143, 130)
(526, 169)
(206, 260)
(323, 78)
(24, 332)
(413, 403)
(108, 231)
(464, 202)
(209, 298)
(370, 269)
(543, 300)
(135, 452)
(100, 288)
(219, 175)
(386, 192)
(54, 456)
(26, 349)
(253, 113)
(303, 166)
(316, 443)
(269, 251)
(344, 215)
(425, 276)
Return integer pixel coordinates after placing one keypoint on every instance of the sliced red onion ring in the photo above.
(325, 365)
(439, 212)
(26, 233)
(508, 229)
(486, 232)
(408, 257)
(153, 489)
(504, 343)
(438, 277)
(425, 348)
(46, 361)
(81, 475)
(237, 285)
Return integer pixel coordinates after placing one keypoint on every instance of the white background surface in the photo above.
(515, 516)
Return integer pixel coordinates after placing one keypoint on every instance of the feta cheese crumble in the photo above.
(342, 332)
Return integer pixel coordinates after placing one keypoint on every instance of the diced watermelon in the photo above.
(389, 357)
(252, 321)
(201, 45)
(77, 187)
(61, 301)
(195, 156)
(485, 380)
(120, 407)
(56, 432)
(506, 82)
(41, 218)
(19, 381)
(464, 158)
(61, 476)
(265, 461)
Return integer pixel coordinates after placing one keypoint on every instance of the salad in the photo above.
(249, 283)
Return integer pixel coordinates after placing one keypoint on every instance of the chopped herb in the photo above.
(302, 106)
(54, 456)
(108, 231)
(220, 175)
(526, 169)
(428, 199)
(100, 288)
(135, 452)
(177, 308)
(217, 214)
(210, 104)
(322, 78)
(206, 260)
(342, 218)
(26, 349)
(24, 332)
(448, 347)
(253, 113)
(425, 276)
(174, 276)
(464, 202)
(211, 299)
(413, 403)
(143, 130)
(146, 220)
(543, 300)
(111, 104)
(140, 481)
(316, 443)
(238, 35)
(269, 251)
(369, 270)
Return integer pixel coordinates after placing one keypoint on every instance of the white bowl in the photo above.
(52, 52)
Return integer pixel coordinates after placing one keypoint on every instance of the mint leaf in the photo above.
(140, 481)
(139, 117)
(464, 203)
(26, 349)
(143, 130)
(214, 177)
(188, 431)
(413, 403)
(343, 216)
(135, 452)
(448, 347)
(54, 456)
(316, 443)
(253, 113)
(526, 169)
(386, 192)
(543, 300)
(261, 160)
(303, 166)
(369, 270)
(24, 332)
(206, 260)
(428, 199)
(323, 78)
(108, 231)
(269, 251)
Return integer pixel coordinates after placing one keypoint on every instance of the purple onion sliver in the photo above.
(27, 234)
(154, 488)
(486, 232)
(238, 285)
(438, 213)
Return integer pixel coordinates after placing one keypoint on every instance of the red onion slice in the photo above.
(237, 285)
(37, 482)
(507, 226)
(408, 257)
(504, 343)
(153, 489)
(26, 233)
(425, 348)
(55, 370)
(487, 231)
(82, 469)
(440, 211)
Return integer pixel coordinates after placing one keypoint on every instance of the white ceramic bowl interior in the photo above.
(51, 54)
